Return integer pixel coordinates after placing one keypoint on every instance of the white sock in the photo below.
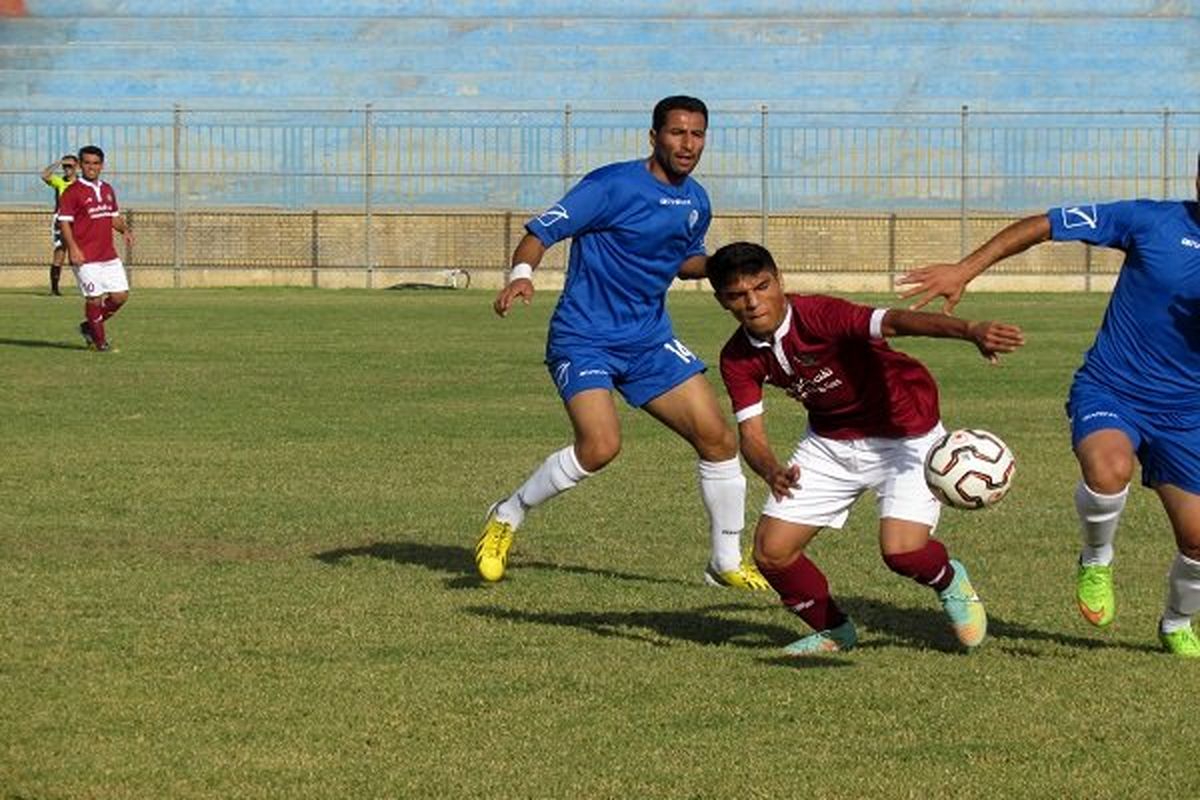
(558, 473)
(723, 489)
(1183, 593)
(1098, 518)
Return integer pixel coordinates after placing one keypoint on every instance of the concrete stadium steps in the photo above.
(1029, 37)
(883, 55)
(1168, 51)
(829, 91)
(595, 8)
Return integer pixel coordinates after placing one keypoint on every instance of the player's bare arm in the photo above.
(992, 338)
(74, 252)
(121, 227)
(693, 268)
(752, 439)
(529, 252)
(48, 172)
(950, 280)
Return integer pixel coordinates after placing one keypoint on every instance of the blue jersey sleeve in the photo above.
(1103, 224)
(696, 246)
(585, 207)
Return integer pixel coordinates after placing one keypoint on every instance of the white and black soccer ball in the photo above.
(969, 468)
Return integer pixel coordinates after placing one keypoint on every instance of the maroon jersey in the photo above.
(824, 356)
(90, 208)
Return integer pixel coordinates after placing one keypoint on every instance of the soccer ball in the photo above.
(969, 469)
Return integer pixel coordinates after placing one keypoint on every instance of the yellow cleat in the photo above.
(745, 577)
(491, 552)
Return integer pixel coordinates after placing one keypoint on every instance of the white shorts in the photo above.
(834, 473)
(101, 277)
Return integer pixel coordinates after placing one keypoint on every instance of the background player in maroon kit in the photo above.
(872, 414)
(87, 215)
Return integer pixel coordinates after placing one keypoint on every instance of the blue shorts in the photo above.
(1167, 444)
(639, 372)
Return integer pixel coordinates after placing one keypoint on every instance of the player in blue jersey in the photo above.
(635, 226)
(1138, 391)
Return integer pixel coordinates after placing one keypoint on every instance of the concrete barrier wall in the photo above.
(817, 251)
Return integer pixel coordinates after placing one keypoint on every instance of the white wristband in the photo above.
(522, 270)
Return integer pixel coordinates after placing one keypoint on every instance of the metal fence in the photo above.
(765, 161)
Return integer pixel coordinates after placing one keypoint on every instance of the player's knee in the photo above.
(1108, 475)
(774, 554)
(597, 452)
(718, 444)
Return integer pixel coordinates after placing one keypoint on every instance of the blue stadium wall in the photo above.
(473, 62)
(870, 55)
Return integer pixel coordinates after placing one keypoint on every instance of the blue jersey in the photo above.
(631, 233)
(1147, 350)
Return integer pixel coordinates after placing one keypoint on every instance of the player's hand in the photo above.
(76, 256)
(934, 280)
(128, 234)
(993, 338)
(520, 288)
(783, 480)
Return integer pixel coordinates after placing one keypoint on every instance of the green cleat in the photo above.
(835, 640)
(1183, 642)
(964, 608)
(1094, 594)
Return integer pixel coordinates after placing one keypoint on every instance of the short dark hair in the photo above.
(676, 102)
(737, 259)
(91, 150)
(70, 157)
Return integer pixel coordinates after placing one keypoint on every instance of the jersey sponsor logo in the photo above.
(553, 214)
(803, 388)
(583, 373)
(1095, 414)
(674, 201)
(1188, 241)
(1079, 216)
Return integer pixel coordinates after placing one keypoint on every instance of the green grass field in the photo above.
(236, 561)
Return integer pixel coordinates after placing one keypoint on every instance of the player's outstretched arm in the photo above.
(992, 338)
(752, 440)
(694, 268)
(950, 280)
(525, 260)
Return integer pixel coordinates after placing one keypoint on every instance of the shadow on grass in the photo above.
(890, 626)
(41, 344)
(459, 562)
(703, 626)
(926, 628)
(918, 628)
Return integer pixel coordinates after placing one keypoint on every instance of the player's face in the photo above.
(757, 302)
(90, 165)
(69, 167)
(678, 145)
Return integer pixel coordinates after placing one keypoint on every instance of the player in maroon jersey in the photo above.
(872, 415)
(88, 215)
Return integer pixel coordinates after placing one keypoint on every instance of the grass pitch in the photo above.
(236, 561)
